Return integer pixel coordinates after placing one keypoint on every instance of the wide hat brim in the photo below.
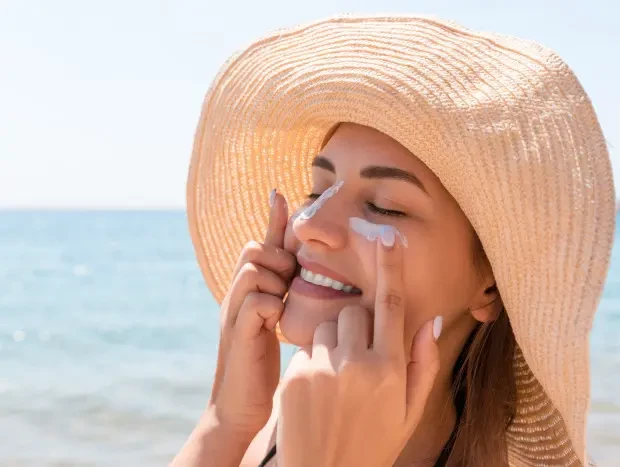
(504, 124)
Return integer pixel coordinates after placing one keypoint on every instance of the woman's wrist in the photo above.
(213, 443)
(211, 421)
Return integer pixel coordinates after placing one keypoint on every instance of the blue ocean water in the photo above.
(108, 339)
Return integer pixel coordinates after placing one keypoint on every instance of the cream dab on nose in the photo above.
(321, 200)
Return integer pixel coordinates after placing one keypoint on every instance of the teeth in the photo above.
(324, 281)
(319, 279)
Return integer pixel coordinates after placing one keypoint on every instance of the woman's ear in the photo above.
(487, 304)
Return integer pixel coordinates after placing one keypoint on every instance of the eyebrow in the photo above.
(374, 172)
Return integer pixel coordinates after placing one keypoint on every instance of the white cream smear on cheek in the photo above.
(371, 231)
(321, 200)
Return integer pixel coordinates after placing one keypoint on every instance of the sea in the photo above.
(108, 340)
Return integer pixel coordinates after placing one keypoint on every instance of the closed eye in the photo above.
(371, 206)
(384, 212)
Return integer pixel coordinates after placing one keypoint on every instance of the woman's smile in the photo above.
(317, 281)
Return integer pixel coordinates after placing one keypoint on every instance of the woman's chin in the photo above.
(300, 319)
(295, 333)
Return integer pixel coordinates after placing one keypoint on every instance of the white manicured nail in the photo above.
(437, 325)
(272, 198)
(387, 236)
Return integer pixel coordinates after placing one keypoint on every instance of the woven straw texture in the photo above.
(504, 124)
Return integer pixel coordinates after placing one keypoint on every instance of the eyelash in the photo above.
(373, 207)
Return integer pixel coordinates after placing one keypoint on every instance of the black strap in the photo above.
(441, 462)
(268, 457)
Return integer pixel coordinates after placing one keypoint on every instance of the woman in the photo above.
(454, 215)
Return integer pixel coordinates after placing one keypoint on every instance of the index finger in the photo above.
(389, 326)
(278, 218)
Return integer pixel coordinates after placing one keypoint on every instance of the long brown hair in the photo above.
(484, 390)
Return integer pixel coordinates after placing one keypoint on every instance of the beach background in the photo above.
(108, 341)
(108, 334)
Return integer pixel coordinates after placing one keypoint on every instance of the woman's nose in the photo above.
(323, 224)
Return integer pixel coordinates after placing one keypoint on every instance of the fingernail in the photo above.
(437, 325)
(387, 236)
(272, 198)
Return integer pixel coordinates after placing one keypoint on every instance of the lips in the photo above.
(318, 268)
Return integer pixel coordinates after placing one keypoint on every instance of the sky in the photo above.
(99, 100)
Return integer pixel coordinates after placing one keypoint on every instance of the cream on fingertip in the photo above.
(388, 238)
(437, 325)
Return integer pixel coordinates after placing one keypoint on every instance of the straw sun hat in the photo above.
(505, 125)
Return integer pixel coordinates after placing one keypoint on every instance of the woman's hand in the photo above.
(356, 399)
(248, 364)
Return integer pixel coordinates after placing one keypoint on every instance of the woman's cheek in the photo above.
(366, 280)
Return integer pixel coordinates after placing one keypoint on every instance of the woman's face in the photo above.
(381, 182)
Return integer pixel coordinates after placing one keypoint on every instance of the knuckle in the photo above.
(269, 311)
(271, 304)
(263, 301)
(281, 287)
(294, 386)
(290, 262)
(227, 315)
(248, 272)
(353, 367)
(251, 250)
(253, 300)
(323, 373)
(391, 299)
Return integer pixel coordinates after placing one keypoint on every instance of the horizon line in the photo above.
(91, 208)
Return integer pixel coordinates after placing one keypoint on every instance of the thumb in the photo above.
(422, 370)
